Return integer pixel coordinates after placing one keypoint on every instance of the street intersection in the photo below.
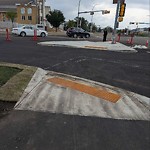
(82, 98)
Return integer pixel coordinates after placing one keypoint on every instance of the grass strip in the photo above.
(6, 73)
(15, 85)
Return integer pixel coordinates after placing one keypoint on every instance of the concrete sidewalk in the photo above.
(60, 93)
(118, 47)
(63, 112)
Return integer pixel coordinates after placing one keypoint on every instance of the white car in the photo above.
(29, 31)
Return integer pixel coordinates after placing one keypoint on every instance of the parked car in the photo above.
(28, 31)
(77, 32)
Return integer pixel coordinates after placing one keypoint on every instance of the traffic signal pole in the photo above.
(78, 13)
(116, 23)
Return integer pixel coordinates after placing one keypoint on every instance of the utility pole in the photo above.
(116, 22)
(43, 12)
(78, 14)
(92, 13)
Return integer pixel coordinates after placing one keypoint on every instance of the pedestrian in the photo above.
(105, 35)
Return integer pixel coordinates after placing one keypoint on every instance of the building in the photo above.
(27, 14)
(9, 5)
(28, 11)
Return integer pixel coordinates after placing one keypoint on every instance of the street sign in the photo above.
(116, 1)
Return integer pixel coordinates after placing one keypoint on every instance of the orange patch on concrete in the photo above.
(97, 47)
(100, 93)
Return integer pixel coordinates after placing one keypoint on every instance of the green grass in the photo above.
(14, 79)
(6, 73)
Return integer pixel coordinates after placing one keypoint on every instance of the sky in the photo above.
(136, 11)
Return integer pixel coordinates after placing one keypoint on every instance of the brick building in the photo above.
(28, 11)
(27, 14)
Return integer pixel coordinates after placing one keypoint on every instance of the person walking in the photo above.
(105, 35)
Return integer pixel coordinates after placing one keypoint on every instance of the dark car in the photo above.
(77, 32)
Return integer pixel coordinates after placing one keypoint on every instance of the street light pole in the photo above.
(78, 13)
(149, 29)
(116, 22)
(92, 17)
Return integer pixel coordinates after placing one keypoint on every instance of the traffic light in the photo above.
(91, 13)
(122, 10)
(131, 22)
(120, 19)
(105, 12)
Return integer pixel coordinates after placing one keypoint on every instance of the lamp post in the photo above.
(43, 12)
(92, 17)
(78, 13)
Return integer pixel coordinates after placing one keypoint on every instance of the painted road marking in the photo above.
(97, 92)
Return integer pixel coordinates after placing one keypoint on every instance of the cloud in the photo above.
(136, 10)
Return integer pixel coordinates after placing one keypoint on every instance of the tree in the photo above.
(109, 29)
(83, 23)
(99, 29)
(71, 23)
(55, 18)
(11, 15)
(93, 26)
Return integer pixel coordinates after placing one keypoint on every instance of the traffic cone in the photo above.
(131, 40)
(110, 39)
(7, 35)
(146, 43)
(128, 41)
(35, 35)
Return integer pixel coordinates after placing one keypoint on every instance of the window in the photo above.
(23, 17)
(29, 17)
(29, 11)
(28, 27)
(4, 18)
(22, 10)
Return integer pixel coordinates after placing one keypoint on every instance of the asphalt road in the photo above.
(28, 130)
(44, 131)
(130, 71)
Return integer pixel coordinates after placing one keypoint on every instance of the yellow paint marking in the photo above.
(97, 92)
(97, 47)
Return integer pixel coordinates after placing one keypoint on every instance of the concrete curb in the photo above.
(34, 82)
(118, 47)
